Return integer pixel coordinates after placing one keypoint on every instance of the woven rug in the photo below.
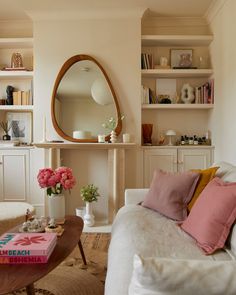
(72, 277)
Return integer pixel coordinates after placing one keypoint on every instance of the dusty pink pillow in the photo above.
(170, 193)
(212, 215)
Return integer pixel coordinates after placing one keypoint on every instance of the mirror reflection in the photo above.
(82, 101)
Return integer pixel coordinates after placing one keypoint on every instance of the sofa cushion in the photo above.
(206, 176)
(170, 193)
(211, 217)
(179, 277)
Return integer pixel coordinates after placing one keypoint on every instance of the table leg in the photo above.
(82, 252)
(30, 289)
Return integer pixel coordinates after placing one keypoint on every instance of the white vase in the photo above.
(56, 206)
(113, 136)
(89, 217)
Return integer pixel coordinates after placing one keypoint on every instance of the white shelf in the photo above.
(177, 73)
(16, 74)
(176, 40)
(16, 42)
(16, 108)
(177, 106)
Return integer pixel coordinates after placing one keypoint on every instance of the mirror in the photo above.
(83, 99)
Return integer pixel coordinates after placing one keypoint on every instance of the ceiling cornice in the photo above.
(214, 9)
(87, 14)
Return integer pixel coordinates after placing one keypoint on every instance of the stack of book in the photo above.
(148, 96)
(146, 61)
(18, 248)
(205, 93)
(22, 97)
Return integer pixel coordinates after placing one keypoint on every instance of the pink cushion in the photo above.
(170, 193)
(212, 215)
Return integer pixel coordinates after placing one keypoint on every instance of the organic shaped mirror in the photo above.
(82, 100)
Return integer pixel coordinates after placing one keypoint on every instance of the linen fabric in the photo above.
(170, 193)
(206, 176)
(155, 276)
(211, 217)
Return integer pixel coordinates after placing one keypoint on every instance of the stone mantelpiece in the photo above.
(116, 166)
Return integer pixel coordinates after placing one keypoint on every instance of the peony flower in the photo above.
(56, 181)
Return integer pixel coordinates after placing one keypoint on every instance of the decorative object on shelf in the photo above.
(170, 133)
(55, 181)
(16, 60)
(81, 134)
(181, 58)
(53, 227)
(32, 225)
(164, 99)
(161, 139)
(126, 137)
(187, 93)
(163, 61)
(2, 101)
(101, 138)
(147, 133)
(6, 126)
(110, 125)
(89, 194)
(21, 126)
(9, 91)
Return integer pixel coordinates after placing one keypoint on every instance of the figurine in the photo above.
(9, 91)
(161, 139)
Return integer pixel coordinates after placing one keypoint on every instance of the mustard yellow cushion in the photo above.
(206, 176)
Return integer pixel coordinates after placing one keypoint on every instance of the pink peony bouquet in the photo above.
(56, 180)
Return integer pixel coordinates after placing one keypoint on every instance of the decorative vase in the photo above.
(56, 206)
(113, 136)
(89, 217)
(6, 137)
(187, 93)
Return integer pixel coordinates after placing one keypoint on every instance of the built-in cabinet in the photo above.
(175, 159)
(14, 174)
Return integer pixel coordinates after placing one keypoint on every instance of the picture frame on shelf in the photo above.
(181, 58)
(21, 123)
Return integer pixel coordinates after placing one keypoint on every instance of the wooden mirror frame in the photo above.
(66, 66)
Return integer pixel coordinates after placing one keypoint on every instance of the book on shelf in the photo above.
(27, 244)
(146, 61)
(148, 96)
(22, 97)
(204, 94)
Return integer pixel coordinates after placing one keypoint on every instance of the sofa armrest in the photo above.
(135, 195)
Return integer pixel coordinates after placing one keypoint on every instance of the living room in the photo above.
(111, 32)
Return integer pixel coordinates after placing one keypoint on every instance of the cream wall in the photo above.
(223, 48)
(117, 49)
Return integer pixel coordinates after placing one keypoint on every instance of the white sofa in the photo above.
(138, 230)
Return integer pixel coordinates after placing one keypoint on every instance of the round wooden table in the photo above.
(17, 276)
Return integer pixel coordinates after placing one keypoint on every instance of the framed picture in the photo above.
(21, 126)
(181, 58)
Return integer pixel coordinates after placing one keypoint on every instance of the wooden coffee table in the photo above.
(17, 276)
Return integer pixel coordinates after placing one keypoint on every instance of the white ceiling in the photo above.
(23, 9)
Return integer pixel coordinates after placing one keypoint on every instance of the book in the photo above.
(27, 244)
(27, 259)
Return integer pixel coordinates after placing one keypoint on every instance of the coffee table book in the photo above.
(26, 247)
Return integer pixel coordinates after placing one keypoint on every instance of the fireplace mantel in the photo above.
(116, 166)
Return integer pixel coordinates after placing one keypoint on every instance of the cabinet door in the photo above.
(14, 175)
(165, 159)
(194, 159)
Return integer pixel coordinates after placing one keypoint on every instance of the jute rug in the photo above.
(72, 277)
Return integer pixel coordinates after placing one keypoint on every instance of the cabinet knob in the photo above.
(180, 162)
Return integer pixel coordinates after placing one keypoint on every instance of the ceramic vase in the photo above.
(89, 217)
(113, 136)
(56, 206)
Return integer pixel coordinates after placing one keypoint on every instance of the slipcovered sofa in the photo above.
(140, 231)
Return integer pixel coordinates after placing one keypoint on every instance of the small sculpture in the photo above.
(16, 60)
(9, 91)
(187, 93)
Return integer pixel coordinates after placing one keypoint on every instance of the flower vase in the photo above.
(113, 137)
(56, 207)
(89, 217)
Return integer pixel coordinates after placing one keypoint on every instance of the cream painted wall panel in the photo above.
(115, 43)
(224, 64)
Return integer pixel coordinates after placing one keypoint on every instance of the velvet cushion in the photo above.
(206, 176)
(170, 193)
(163, 276)
(211, 217)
